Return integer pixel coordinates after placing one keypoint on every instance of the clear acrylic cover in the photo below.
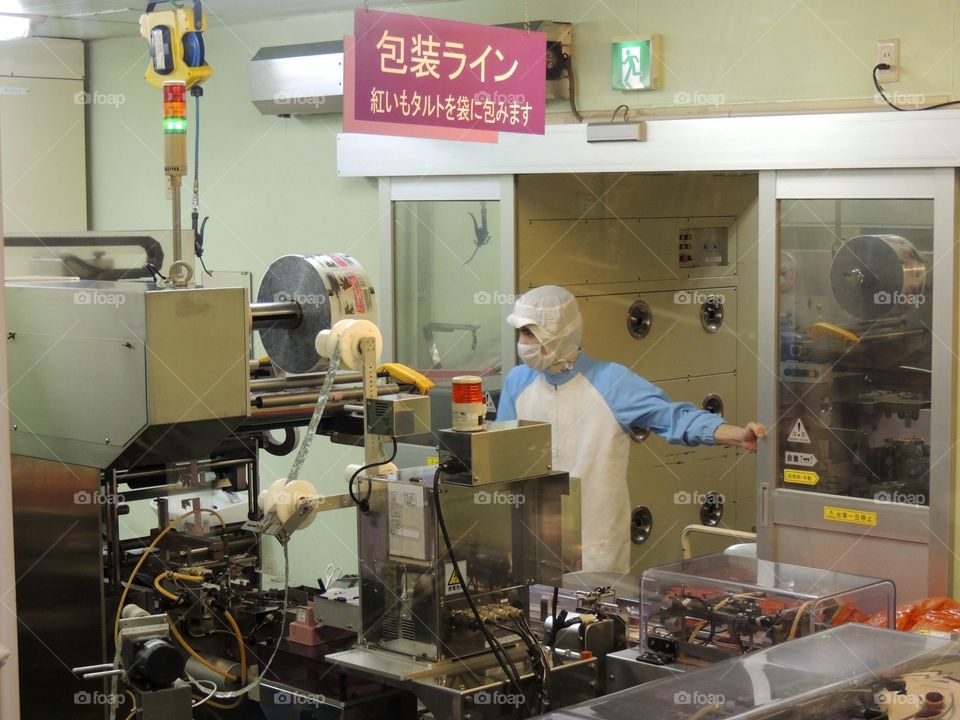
(716, 606)
(854, 671)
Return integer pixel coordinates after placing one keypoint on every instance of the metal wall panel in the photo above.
(59, 588)
(677, 344)
(674, 480)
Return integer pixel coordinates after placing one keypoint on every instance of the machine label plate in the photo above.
(799, 458)
(798, 433)
(856, 517)
(802, 477)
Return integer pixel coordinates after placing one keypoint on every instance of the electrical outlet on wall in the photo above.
(888, 52)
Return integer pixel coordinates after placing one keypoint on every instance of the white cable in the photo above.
(199, 683)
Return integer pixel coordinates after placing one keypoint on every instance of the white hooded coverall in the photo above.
(592, 405)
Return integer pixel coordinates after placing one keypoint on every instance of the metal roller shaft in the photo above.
(273, 400)
(285, 411)
(269, 315)
(300, 381)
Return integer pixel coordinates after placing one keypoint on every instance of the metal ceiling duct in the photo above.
(304, 79)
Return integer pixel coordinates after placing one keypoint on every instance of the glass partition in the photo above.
(855, 310)
(448, 287)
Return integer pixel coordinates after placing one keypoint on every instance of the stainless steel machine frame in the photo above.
(411, 596)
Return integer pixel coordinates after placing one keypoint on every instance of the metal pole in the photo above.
(281, 399)
(269, 315)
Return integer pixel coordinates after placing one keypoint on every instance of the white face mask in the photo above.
(532, 357)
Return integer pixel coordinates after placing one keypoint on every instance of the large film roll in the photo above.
(873, 276)
(328, 288)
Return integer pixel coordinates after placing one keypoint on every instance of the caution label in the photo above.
(799, 458)
(855, 517)
(801, 477)
(454, 577)
(491, 406)
(798, 433)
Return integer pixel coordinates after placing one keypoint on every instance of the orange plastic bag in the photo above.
(936, 613)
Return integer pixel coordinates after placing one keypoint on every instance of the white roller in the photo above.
(267, 500)
(288, 497)
(349, 333)
(383, 469)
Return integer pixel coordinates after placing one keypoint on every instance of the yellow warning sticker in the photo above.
(856, 517)
(433, 460)
(454, 579)
(801, 477)
(454, 576)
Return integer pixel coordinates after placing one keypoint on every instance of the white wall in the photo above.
(270, 185)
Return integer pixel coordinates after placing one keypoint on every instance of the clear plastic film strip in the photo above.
(317, 415)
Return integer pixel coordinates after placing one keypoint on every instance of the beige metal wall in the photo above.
(42, 132)
(613, 239)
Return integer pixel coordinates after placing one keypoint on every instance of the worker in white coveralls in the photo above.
(592, 405)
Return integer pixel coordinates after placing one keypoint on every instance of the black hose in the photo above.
(498, 652)
(151, 247)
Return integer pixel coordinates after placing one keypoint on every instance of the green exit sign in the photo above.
(636, 64)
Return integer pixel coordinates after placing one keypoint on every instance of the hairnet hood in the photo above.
(553, 316)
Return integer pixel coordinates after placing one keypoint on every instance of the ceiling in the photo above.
(98, 19)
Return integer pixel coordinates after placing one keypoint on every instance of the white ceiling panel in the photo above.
(97, 19)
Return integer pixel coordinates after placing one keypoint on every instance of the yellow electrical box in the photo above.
(176, 47)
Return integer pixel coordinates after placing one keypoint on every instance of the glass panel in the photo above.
(856, 302)
(448, 287)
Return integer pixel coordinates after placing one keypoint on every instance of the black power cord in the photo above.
(568, 66)
(506, 664)
(364, 503)
(876, 84)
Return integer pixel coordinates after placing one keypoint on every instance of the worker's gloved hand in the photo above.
(744, 437)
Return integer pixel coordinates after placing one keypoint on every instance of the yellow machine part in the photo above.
(404, 374)
(180, 22)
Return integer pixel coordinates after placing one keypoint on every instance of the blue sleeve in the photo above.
(639, 403)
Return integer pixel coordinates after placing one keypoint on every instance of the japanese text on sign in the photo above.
(484, 109)
(856, 517)
(426, 71)
(425, 58)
